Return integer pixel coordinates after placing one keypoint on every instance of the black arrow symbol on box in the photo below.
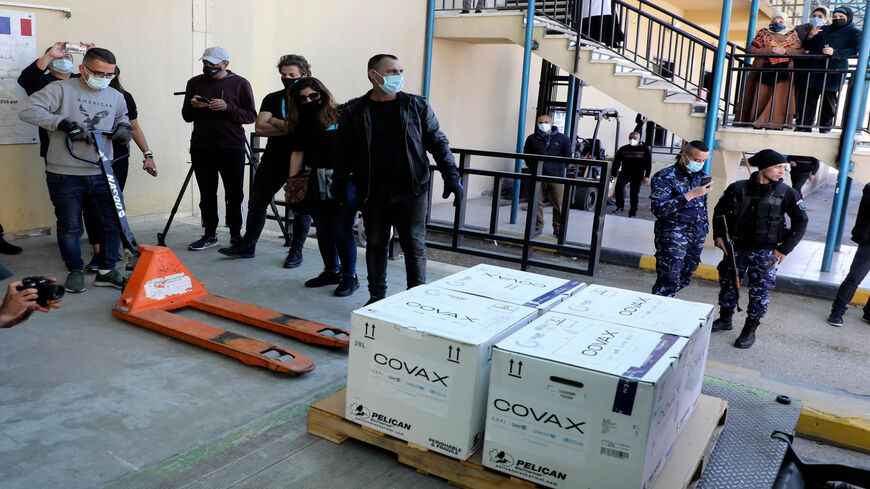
(450, 354)
(367, 331)
(519, 369)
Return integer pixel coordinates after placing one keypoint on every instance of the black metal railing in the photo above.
(473, 237)
(648, 36)
(783, 96)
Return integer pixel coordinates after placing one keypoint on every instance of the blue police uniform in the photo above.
(680, 229)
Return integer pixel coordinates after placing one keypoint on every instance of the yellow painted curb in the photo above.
(647, 262)
(709, 272)
(852, 433)
(861, 297)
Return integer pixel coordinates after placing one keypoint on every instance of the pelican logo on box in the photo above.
(544, 417)
(414, 371)
(440, 312)
(359, 411)
(499, 457)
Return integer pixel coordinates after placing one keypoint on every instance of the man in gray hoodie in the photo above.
(71, 109)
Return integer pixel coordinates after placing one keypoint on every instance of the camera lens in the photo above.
(54, 292)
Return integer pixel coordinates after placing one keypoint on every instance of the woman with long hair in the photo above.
(312, 117)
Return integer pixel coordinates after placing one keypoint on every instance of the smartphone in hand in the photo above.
(202, 99)
(706, 181)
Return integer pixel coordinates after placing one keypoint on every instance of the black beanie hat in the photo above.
(766, 158)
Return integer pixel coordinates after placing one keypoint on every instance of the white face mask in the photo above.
(633, 142)
(544, 127)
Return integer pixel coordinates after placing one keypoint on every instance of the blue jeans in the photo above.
(335, 237)
(70, 194)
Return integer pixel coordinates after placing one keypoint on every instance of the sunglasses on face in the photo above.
(313, 96)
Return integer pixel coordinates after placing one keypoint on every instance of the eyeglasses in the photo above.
(310, 97)
(100, 74)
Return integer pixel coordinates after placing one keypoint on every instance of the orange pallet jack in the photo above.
(161, 283)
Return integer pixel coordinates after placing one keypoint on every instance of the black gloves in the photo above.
(453, 187)
(76, 131)
(122, 133)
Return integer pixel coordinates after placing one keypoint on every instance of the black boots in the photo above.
(724, 322)
(747, 336)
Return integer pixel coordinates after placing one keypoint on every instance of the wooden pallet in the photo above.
(682, 470)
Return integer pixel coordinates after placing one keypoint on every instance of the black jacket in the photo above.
(553, 144)
(635, 161)
(422, 134)
(804, 163)
(741, 212)
(861, 231)
(845, 40)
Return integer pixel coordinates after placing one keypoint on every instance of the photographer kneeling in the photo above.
(40, 295)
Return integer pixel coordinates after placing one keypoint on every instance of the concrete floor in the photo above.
(86, 399)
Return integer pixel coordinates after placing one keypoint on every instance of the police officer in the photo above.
(755, 211)
(679, 202)
(860, 264)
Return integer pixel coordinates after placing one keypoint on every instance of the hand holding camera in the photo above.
(30, 294)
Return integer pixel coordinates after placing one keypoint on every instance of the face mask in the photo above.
(633, 142)
(776, 27)
(839, 22)
(211, 71)
(289, 82)
(817, 22)
(97, 83)
(544, 127)
(392, 84)
(694, 166)
(62, 65)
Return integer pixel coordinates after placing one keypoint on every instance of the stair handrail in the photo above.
(684, 21)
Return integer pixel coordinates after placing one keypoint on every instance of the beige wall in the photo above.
(475, 94)
(157, 44)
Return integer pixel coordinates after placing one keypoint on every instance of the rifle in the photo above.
(729, 245)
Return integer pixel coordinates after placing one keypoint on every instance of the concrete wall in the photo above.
(157, 44)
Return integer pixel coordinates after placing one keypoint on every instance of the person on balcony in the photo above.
(678, 196)
(837, 40)
(768, 101)
(806, 32)
(599, 23)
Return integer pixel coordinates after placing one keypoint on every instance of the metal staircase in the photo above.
(660, 69)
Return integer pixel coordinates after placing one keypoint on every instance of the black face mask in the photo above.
(839, 22)
(289, 82)
(211, 71)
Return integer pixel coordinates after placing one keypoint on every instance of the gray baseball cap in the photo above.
(215, 55)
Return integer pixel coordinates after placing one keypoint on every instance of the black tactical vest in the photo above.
(766, 225)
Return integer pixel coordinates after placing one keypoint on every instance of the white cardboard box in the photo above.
(581, 404)
(418, 365)
(514, 286)
(691, 320)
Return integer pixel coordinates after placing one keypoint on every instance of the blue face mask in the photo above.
(97, 83)
(392, 84)
(817, 22)
(62, 65)
(694, 166)
(776, 27)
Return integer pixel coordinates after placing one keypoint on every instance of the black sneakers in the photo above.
(239, 249)
(294, 258)
(203, 243)
(346, 286)
(325, 278)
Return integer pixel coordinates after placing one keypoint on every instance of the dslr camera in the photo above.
(45, 289)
